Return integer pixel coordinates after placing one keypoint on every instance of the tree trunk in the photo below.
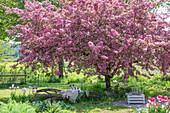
(107, 79)
(61, 63)
(52, 70)
(130, 72)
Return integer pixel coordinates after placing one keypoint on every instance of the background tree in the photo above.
(8, 20)
(5, 52)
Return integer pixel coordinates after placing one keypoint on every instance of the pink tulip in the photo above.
(156, 105)
(148, 104)
(159, 97)
(167, 102)
(165, 98)
(153, 99)
(149, 98)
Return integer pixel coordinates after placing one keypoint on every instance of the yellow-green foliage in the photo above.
(5, 52)
(13, 107)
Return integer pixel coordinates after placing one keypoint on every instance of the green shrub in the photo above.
(96, 87)
(13, 107)
(48, 107)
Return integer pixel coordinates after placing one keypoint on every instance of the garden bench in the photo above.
(13, 75)
(134, 99)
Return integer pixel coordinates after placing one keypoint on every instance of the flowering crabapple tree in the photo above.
(110, 37)
(106, 37)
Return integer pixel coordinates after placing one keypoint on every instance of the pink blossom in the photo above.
(114, 32)
(57, 73)
(115, 52)
(48, 34)
(90, 44)
(4, 7)
(153, 51)
(27, 59)
(69, 42)
(24, 89)
(104, 57)
(117, 85)
(145, 50)
(151, 44)
(163, 43)
(10, 87)
(31, 54)
(114, 81)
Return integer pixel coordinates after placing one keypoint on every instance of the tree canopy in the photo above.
(106, 37)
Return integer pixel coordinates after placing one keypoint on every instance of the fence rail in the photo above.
(13, 75)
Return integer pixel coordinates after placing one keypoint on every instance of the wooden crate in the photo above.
(136, 99)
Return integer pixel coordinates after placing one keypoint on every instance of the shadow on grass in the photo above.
(102, 107)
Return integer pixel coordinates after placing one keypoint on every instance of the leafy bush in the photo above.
(96, 87)
(59, 107)
(13, 107)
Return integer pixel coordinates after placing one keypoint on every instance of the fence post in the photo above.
(25, 79)
(38, 79)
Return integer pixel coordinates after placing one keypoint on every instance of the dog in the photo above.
(75, 88)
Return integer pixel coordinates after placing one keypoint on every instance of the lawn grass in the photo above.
(102, 107)
(152, 87)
